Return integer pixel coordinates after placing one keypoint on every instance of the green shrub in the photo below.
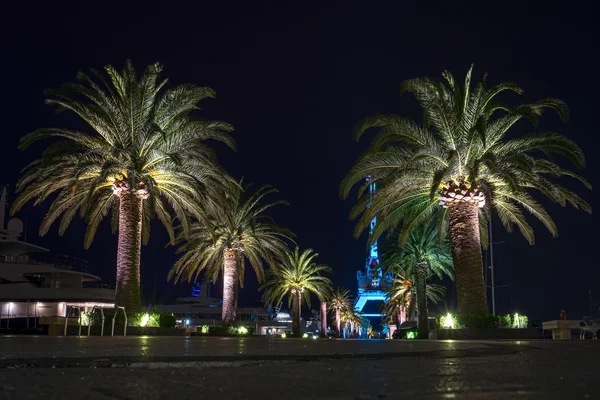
(485, 321)
(166, 320)
(154, 319)
(233, 330)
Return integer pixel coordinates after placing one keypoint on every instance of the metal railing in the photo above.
(112, 332)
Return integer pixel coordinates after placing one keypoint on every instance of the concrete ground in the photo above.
(266, 368)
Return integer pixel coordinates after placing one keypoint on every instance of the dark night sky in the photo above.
(294, 79)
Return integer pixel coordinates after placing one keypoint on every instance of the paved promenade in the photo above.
(263, 368)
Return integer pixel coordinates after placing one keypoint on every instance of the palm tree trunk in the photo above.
(296, 313)
(411, 308)
(420, 282)
(323, 319)
(230, 279)
(466, 254)
(129, 249)
(338, 321)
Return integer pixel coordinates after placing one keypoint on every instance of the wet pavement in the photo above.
(263, 368)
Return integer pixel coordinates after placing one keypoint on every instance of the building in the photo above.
(36, 283)
(200, 309)
(372, 282)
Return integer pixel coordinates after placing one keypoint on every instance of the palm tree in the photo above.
(340, 300)
(236, 229)
(297, 276)
(462, 162)
(143, 157)
(401, 293)
(421, 257)
(352, 319)
(323, 319)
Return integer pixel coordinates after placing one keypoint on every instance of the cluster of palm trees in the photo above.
(146, 155)
(422, 258)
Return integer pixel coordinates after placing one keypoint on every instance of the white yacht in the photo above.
(35, 283)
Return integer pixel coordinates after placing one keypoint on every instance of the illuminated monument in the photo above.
(372, 282)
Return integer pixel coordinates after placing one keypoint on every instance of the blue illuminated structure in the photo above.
(372, 283)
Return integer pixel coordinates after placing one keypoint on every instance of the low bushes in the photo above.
(155, 319)
(458, 321)
(239, 330)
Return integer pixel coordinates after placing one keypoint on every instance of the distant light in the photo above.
(305, 336)
(187, 321)
(411, 335)
(242, 330)
(283, 335)
(315, 337)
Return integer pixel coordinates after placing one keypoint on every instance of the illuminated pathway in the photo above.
(179, 367)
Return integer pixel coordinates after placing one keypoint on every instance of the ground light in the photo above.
(145, 319)
(449, 322)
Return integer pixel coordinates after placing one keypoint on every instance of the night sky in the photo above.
(294, 79)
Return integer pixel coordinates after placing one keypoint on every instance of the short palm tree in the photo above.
(421, 257)
(297, 276)
(462, 161)
(340, 300)
(352, 320)
(143, 156)
(236, 228)
(401, 293)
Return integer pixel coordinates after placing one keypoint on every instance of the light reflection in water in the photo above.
(144, 349)
(450, 377)
(242, 346)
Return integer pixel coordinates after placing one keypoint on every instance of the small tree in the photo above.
(235, 229)
(297, 276)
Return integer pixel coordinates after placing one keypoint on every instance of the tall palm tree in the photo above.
(462, 161)
(142, 156)
(340, 300)
(236, 228)
(297, 276)
(422, 257)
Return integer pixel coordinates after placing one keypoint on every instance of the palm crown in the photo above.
(462, 150)
(142, 138)
(423, 245)
(237, 222)
(340, 299)
(297, 273)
